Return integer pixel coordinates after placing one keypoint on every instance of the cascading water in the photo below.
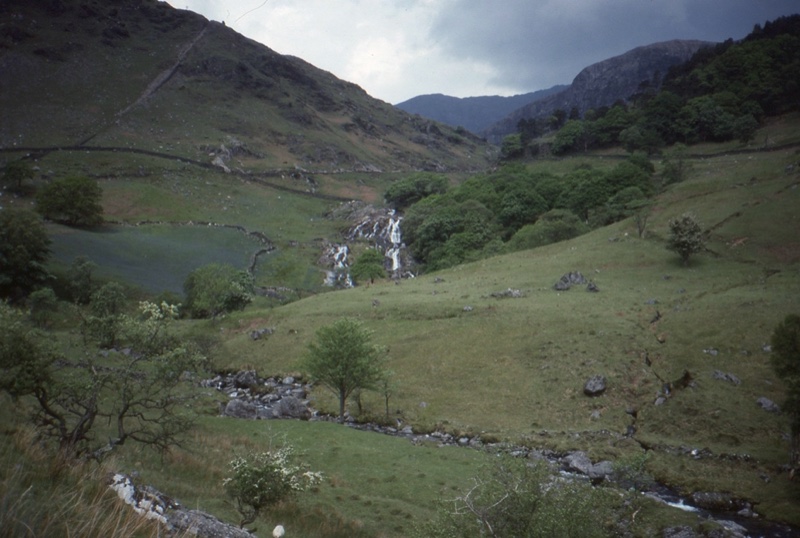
(381, 228)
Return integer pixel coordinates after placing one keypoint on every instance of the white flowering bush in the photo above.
(265, 479)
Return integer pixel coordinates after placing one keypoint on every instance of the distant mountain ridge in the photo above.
(475, 114)
(603, 83)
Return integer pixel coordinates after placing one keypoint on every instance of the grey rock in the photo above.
(678, 532)
(291, 407)
(595, 386)
(240, 409)
(568, 280)
(712, 500)
(768, 405)
(245, 379)
(601, 470)
(724, 376)
(578, 462)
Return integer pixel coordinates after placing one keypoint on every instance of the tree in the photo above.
(43, 304)
(414, 188)
(24, 249)
(79, 280)
(136, 396)
(342, 358)
(265, 479)
(75, 201)
(554, 226)
(677, 166)
(686, 236)
(785, 361)
(106, 314)
(215, 289)
(16, 172)
(368, 266)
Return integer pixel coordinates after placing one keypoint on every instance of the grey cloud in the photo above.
(536, 44)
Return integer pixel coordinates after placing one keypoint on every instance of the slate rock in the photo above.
(595, 386)
(240, 409)
(768, 405)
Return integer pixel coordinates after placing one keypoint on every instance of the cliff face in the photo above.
(603, 83)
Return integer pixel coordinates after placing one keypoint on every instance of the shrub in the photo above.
(265, 479)
(686, 236)
(215, 289)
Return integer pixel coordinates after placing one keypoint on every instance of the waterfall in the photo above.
(395, 242)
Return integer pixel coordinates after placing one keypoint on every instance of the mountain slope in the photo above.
(473, 113)
(104, 74)
(603, 83)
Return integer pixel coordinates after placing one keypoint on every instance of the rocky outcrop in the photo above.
(604, 83)
(177, 520)
(254, 398)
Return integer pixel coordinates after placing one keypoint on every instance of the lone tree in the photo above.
(786, 364)
(16, 172)
(75, 201)
(342, 358)
(24, 250)
(686, 236)
(368, 266)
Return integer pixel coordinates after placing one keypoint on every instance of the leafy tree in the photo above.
(573, 136)
(138, 394)
(265, 479)
(79, 280)
(554, 226)
(215, 289)
(512, 147)
(414, 188)
(16, 172)
(686, 236)
(74, 201)
(677, 165)
(520, 207)
(106, 314)
(24, 249)
(368, 266)
(43, 304)
(515, 499)
(785, 361)
(342, 358)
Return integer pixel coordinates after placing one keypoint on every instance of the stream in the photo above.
(287, 399)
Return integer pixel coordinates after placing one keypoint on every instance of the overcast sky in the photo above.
(398, 49)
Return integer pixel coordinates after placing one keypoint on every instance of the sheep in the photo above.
(278, 531)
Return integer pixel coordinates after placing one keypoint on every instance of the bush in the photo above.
(554, 226)
(264, 480)
(414, 188)
(686, 236)
(215, 289)
(516, 499)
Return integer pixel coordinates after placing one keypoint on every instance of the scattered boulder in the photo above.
(678, 532)
(240, 409)
(573, 278)
(730, 378)
(292, 407)
(768, 405)
(716, 501)
(592, 287)
(245, 379)
(509, 293)
(257, 334)
(595, 386)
